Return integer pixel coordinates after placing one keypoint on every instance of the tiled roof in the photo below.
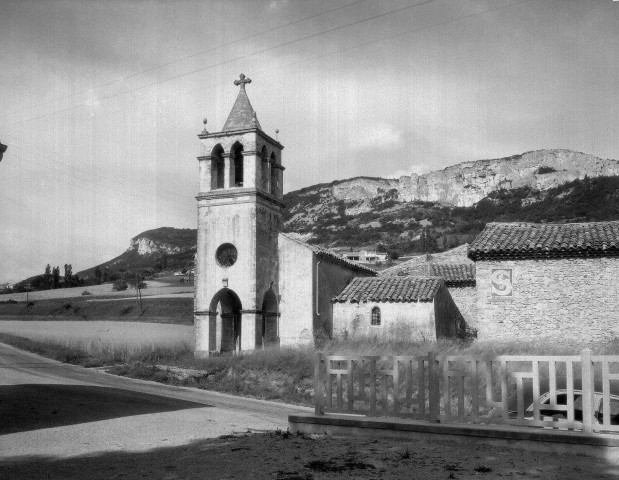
(332, 255)
(546, 240)
(242, 116)
(390, 289)
(454, 274)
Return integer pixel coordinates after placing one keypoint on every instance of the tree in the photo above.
(56, 276)
(393, 255)
(98, 273)
(119, 285)
(47, 281)
(68, 275)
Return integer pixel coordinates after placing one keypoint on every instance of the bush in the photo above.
(544, 170)
(119, 285)
(86, 292)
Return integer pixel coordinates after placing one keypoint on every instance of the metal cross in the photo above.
(243, 80)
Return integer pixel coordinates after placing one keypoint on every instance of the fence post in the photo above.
(319, 385)
(588, 415)
(433, 389)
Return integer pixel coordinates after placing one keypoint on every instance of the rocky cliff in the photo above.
(163, 240)
(467, 183)
(146, 246)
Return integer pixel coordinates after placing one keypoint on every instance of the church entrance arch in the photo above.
(270, 316)
(226, 316)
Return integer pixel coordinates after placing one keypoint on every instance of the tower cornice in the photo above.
(239, 192)
(231, 133)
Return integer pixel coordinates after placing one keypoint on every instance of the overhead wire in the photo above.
(309, 59)
(181, 59)
(240, 57)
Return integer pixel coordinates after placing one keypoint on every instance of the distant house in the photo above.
(365, 256)
(547, 281)
(419, 308)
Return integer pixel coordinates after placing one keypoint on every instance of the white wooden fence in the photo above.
(562, 392)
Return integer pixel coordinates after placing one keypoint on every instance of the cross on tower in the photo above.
(243, 80)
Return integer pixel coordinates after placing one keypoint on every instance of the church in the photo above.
(255, 286)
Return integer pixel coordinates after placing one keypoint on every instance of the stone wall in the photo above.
(466, 300)
(296, 306)
(399, 320)
(561, 299)
(333, 276)
(448, 319)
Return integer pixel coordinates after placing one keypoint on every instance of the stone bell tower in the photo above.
(239, 218)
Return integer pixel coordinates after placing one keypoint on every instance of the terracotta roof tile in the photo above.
(390, 289)
(546, 240)
(454, 274)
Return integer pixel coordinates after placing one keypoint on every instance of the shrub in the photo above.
(544, 169)
(119, 285)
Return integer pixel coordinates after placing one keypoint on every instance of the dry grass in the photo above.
(164, 353)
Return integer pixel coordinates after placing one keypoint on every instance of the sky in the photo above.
(101, 102)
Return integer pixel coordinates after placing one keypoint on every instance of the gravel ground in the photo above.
(279, 456)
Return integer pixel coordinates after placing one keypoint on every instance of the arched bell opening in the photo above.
(226, 314)
(236, 155)
(217, 167)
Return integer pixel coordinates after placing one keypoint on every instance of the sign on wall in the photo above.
(502, 283)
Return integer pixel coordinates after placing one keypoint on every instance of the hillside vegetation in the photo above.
(424, 226)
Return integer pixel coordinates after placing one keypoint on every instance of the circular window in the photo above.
(226, 255)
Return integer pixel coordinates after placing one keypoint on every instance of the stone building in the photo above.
(547, 281)
(459, 279)
(398, 307)
(254, 286)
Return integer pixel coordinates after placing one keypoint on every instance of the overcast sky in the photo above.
(101, 102)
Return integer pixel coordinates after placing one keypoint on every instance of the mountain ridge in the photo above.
(543, 185)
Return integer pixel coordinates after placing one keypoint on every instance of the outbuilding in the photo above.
(416, 308)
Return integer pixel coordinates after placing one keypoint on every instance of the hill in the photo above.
(420, 213)
(158, 249)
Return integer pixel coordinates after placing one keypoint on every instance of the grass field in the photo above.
(178, 310)
(168, 286)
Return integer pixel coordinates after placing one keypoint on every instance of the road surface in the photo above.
(64, 422)
(52, 409)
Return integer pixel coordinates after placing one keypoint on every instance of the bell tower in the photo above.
(239, 218)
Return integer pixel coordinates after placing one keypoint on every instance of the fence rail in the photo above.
(560, 392)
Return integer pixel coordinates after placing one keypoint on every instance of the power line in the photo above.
(203, 52)
(320, 56)
(85, 174)
(225, 62)
(109, 187)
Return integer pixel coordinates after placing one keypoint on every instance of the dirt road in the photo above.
(63, 422)
(49, 408)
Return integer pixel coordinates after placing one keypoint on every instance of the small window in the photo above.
(376, 316)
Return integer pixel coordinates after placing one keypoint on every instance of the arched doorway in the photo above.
(226, 321)
(270, 327)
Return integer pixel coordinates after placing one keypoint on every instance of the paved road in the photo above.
(51, 409)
